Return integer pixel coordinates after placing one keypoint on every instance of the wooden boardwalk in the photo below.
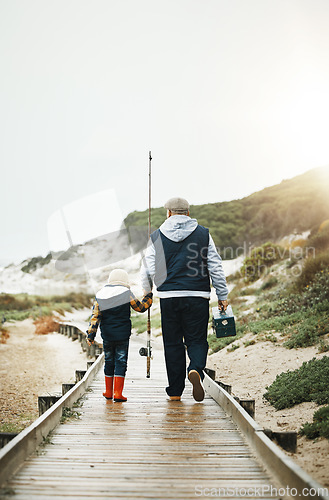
(147, 448)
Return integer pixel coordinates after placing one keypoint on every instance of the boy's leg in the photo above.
(174, 348)
(109, 355)
(108, 369)
(121, 358)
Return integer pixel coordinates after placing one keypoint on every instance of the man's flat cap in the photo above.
(177, 205)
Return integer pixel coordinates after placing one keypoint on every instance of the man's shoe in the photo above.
(195, 379)
(174, 398)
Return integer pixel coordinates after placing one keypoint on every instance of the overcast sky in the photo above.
(230, 95)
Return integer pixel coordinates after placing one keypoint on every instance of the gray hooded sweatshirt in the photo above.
(177, 228)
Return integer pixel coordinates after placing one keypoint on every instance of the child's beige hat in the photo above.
(119, 277)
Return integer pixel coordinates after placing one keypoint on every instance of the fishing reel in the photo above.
(145, 351)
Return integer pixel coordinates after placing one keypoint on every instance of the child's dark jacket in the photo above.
(111, 312)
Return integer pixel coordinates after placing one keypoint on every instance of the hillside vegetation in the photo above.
(292, 294)
(281, 296)
(17, 307)
(295, 205)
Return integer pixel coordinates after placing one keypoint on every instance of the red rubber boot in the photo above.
(108, 394)
(118, 388)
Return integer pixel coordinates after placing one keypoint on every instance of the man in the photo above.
(180, 260)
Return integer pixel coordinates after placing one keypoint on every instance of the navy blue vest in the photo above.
(115, 321)
(182, 265)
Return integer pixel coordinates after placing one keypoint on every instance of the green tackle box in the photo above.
(223, 323)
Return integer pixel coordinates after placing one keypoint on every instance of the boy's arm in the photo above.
(94, 322)
(141, 306)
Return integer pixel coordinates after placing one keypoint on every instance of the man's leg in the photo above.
(195, 317)
(174, 348)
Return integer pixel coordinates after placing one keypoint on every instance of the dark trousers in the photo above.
(116, 357)
(184, 322)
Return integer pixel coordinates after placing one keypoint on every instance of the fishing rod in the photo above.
(148, 344)
(148, 350)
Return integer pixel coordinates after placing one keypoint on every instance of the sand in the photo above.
(33, 365)
(249, 370)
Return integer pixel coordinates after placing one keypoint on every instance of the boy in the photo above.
(111, 311)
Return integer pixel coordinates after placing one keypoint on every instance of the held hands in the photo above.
(222, 305)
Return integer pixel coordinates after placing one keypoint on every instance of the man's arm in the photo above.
(216, 273)
(141, 306)
(148, 268)
(94, 322)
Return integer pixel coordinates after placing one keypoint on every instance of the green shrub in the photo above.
(292, 262)
(320, 425)
(17, 315)
(308, 331)
(271, 338)
(18, 302)
(309, 430)
(36, 262)
(233, 347)
(260, 259)
(276, 323)
(323, 346)
(248, 291)
(21, 306)
(312, 267)
(318, 291)
(307, 383)
(249, 342)
(301, 315)
(139, 322)
(270, 283)
(320, 240)
(303, 303)
(73, 299)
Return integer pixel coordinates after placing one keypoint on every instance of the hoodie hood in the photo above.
(178, 227)
(112, 296)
